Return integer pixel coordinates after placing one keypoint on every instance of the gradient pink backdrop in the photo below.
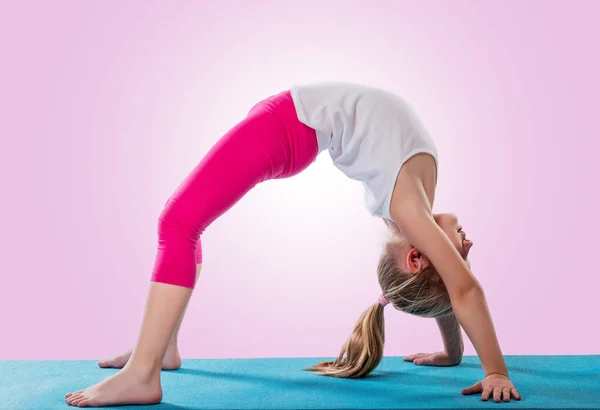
(106, 106)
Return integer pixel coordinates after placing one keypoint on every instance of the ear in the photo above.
(415, 261)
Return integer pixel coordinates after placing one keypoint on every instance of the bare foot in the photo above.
(171, 361)
(126, 387)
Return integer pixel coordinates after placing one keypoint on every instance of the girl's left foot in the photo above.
(171, 361)
(128, 386)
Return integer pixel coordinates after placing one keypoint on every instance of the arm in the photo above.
(453, 345)
(448, 325)
(412, 212)
(451, 336)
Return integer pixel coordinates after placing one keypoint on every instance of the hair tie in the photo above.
(383, 301)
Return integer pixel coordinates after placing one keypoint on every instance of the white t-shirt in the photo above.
(369, 132)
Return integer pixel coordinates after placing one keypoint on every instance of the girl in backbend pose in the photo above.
(373, 136)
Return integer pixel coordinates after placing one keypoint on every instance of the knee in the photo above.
(175, 222)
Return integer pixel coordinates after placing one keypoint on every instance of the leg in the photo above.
(252, 152)
(139, 381)
(172, 359)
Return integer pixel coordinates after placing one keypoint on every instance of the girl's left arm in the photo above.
(453, 345)
(410, 208)
(412, 212)
(451, 336)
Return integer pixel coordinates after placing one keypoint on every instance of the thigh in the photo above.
(250, 153)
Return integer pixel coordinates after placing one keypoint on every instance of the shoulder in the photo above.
(416, 181)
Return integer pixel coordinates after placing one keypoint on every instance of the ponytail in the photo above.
(363, 350)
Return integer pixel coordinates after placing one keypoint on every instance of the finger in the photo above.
(412, 357)
(476, 388)
(425, 361)
(486, 394)
(497, 394)
(515, 394)
(506, 394)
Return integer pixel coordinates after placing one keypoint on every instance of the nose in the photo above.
(453, 218)
(449, 218)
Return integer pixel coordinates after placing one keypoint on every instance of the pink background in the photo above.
(106, 106)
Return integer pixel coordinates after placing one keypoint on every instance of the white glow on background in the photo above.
(110, 105)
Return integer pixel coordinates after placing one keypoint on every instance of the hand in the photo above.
(496, 384)
(433, 359)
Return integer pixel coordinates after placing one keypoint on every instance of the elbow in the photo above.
(465, 292)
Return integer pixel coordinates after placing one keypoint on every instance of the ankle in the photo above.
(144, 368)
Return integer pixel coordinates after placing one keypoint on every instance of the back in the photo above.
(369, 132)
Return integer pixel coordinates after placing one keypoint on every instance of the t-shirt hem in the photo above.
(322, 138)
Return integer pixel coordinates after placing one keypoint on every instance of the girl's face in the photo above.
(450, 225)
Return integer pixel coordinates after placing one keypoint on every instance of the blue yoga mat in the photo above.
(545, 382)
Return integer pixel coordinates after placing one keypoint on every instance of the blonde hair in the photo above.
(422, 294)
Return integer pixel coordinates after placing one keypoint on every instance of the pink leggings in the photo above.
(270, 143)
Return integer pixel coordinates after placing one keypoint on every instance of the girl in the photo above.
(374, 137)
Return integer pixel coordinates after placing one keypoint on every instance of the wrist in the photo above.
(454, 351)
(505, 374)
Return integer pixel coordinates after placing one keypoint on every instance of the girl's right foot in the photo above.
(128, 386)
(171, 361)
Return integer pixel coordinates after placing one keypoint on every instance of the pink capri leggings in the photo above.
(270, 143)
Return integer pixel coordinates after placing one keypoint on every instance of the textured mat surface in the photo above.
(545, 382)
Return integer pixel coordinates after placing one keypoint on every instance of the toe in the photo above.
(75, 402)
(104, 363)
(76, 397)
